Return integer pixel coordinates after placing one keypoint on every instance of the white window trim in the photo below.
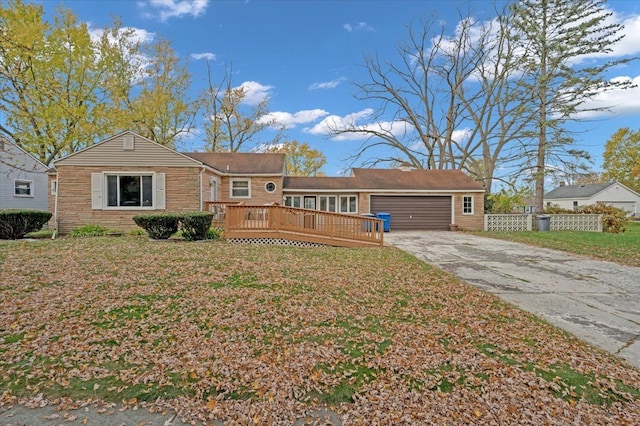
(31, 189)
(54, 187)
(154, 189)
(339, 206)
(471, 198)
(326, 198)
(248, 180)
(293, 197)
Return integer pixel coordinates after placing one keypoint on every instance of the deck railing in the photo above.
(275, 221)
(219, 210)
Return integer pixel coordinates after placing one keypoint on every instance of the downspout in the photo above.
(55, 210)
(201, 193)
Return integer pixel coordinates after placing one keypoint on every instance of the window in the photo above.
(240, 188)
(467, 205)
(328, 203)
(129, 190)
(575, 205)
(54, 187)
(270, 187)
(293, 201)
(23, 188)
(348, 204)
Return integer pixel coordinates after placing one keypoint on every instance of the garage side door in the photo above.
(414, 212)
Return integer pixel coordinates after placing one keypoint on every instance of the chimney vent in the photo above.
(405, 167)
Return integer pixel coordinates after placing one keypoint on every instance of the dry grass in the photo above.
(262, 335)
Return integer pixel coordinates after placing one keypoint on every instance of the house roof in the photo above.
(577, 191)
(242, 163)
(388, 179)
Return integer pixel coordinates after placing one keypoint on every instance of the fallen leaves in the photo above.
(259, 334)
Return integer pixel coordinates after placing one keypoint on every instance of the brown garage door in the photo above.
(414, 212)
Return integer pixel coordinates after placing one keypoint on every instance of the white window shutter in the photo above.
(160, 192)
(96, 191)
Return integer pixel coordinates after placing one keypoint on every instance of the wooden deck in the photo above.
(312, 226)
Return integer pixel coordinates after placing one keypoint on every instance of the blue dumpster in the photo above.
(366, 226)
(386, 220)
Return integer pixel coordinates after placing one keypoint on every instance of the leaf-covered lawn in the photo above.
(620, 248)
(263, 335)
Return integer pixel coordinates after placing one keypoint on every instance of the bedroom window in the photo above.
(467, 205)
(129, 191)
(240, 188)
(23, 188)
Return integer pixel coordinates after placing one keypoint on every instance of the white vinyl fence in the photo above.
(558, 222)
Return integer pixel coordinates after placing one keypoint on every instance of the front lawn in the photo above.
(619, 248)
(263, 334)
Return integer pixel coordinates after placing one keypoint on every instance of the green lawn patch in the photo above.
(620, 248)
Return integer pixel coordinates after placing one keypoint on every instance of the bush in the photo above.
(15, 224)
(158, 226)
(213, 234)
(88, 231)
(195, 225)
(613, 220)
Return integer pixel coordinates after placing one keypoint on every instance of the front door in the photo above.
(310, 203)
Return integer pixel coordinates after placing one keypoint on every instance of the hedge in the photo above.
(194, 225)
(158, 226)
(15, 224)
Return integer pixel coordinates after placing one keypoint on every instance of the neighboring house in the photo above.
(127, 174)
(23, 179)
(611, 193)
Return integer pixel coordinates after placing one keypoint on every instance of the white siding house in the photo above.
(611, 193)
(23, 179)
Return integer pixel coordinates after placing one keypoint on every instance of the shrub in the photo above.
(158, 226)
(88, 231)
(195, 225)
(15, 224)
(213, 234)
(613, 219)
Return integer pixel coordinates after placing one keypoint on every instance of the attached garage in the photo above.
(414, 212)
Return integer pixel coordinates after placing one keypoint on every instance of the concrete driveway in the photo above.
(597, 301)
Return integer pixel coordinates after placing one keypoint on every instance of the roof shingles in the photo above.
(246, 163)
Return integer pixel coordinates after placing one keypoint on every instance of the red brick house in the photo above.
(110, 182)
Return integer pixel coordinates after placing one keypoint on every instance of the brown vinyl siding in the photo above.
(259, 194)
(111, 153)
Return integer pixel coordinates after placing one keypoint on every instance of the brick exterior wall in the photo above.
(466, 221)
(182, 185)
(259, 194)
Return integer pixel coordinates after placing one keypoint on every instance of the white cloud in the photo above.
(136, 35)
(205, 55)
(254, 92)
(165, 9)
(327, 84)
(360, 26)
(351, 121)
(288, 121)
(619, 102)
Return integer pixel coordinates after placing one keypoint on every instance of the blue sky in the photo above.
(305, 55)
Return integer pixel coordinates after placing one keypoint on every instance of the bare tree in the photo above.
(446, 102)
(230, 125)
